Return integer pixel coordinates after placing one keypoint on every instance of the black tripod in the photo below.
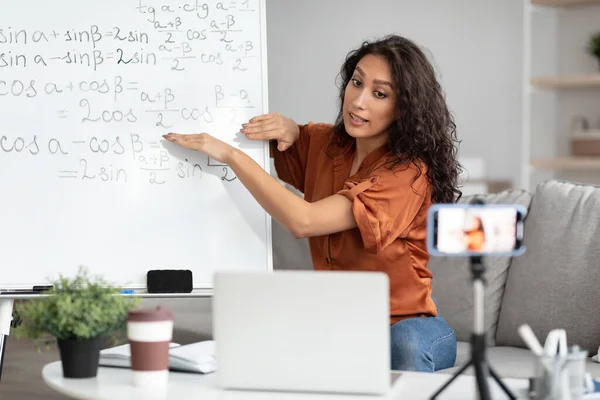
(478, 340)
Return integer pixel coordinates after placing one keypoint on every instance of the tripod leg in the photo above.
(501, 384)
(482, 382)
(460, 371)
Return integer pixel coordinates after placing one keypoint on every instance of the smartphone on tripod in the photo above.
(472, 231)
(475, 229)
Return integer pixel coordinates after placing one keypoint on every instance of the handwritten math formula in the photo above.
(94, 94)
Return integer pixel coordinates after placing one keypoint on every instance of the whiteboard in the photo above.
(87, 89)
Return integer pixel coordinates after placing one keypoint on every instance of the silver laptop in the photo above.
(302, 331)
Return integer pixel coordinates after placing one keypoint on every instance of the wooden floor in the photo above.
(22, 370)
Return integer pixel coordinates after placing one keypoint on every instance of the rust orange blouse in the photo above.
(390, 211)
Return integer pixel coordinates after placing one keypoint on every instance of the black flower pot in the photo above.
(79, 357)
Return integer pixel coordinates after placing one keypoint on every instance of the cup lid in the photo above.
(159, 313)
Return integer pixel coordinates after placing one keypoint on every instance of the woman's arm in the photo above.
(289, 145)
(303, 219)
(330, 215)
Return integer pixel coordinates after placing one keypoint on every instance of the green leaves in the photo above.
(80, 308)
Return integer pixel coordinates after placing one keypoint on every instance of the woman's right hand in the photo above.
(272, 126)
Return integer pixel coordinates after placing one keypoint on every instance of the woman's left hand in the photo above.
(204, 143)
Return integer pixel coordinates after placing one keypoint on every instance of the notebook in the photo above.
(196, 357)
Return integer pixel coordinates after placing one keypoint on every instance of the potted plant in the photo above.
(594, 47)
(78, 313)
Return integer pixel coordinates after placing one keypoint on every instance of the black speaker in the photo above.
(169, 281)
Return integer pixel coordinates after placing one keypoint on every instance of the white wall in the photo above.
(476, 46)
(560, 38)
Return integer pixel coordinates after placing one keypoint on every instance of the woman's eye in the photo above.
(380, 95)
(356, 82)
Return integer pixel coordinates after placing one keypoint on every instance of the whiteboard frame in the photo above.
(265, 110)
(12, 291)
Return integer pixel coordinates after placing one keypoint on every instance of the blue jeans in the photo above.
(424, 344)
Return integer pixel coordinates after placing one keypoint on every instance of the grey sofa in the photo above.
(553, 285)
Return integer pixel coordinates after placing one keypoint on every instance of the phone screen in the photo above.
(477, 230)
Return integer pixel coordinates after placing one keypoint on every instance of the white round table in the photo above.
(116, 384)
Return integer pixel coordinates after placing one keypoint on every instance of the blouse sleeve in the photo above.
(386, 203)
(291, 164)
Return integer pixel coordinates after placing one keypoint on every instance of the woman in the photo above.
(368, 181)
(474, 235)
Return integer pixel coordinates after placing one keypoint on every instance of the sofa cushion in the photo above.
(463, 353)
(555, 283)
(452, 285)
(289, 252)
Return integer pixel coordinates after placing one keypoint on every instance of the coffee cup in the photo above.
(149, 332)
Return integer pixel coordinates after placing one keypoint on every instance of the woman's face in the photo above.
(476, 223)
(370, 99)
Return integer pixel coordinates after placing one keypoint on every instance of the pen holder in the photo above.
(560, 377)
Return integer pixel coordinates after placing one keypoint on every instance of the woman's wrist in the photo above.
(231, 155)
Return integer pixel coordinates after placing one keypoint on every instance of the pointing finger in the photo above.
(259, 128)
(179, 138)
(262, 136)
(263, 117)
(263, 133)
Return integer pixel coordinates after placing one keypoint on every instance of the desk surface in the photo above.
(115, 384)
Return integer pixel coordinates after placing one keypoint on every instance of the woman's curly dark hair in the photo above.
(425, 131)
